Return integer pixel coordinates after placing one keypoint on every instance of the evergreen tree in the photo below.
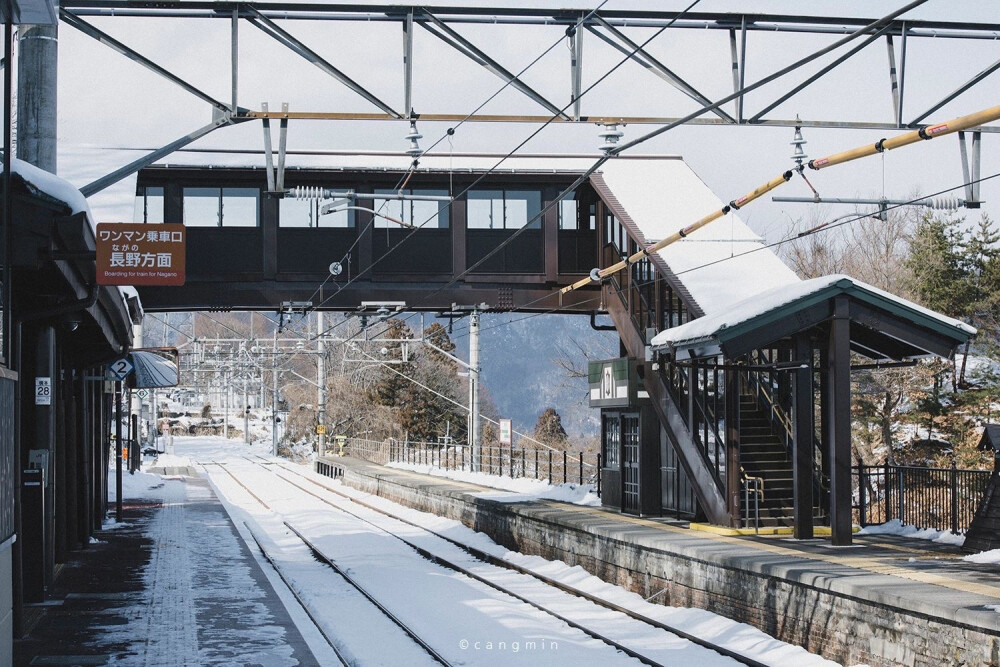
(391, 388)
(939, 267)
(549, 428)
(430, 411)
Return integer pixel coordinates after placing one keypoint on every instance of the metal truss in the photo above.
(577, 25)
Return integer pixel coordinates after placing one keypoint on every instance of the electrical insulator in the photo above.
(307, 192)
(797, 142)
(945, 203)
(316, 192)
(610, 134)
(414, 149)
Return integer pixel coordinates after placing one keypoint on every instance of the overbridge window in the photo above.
(425, 214)
(576, 215)
(306, 213)
(504, 209)
(148, 205)
(221, 207)
(569, 212)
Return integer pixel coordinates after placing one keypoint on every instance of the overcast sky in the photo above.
(108, 101)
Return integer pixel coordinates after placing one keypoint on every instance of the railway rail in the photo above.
(293, 478)
(336, 568)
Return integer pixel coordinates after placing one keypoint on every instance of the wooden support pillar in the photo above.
(802, 450)
(839, 421)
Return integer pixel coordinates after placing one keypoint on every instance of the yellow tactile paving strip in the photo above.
(869, 564)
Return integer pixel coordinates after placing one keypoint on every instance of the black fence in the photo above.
(556, 467)
(938, 498)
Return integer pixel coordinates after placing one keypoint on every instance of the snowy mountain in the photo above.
(519, 355)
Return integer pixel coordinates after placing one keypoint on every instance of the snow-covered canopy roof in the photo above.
(720, 264)
(48, 186)
(706, 335)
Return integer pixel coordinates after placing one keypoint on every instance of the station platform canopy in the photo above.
(883, 326)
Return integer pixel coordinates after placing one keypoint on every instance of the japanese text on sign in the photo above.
(138, 254)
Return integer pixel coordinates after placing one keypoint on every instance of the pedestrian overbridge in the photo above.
(454, 230)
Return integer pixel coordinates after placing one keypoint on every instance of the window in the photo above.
(221, 207)
(611, 441)
(306, 213)
(569, 213)
(415, 212)
(504, 209)
(148, 205)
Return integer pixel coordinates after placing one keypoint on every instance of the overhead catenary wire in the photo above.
(834, 225)
(826, 226)
(447, 135)
(451, 400)
(614, 152)
(939, 130)
(510, 154)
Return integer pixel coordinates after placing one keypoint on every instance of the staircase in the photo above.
(764, 455)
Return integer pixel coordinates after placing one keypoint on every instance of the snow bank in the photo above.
(991, 557)
(521, 489)
(896, 527)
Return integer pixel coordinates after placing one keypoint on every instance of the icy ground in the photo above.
(344, 611)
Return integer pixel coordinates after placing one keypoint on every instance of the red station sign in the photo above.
(140, 254)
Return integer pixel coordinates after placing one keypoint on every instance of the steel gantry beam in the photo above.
(135, 56)
(609, 26)
(450, 37)
(644, 58)
(270, 28)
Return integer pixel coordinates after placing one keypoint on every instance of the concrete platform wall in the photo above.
(838, 626)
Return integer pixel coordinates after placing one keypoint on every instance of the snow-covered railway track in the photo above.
(306, 606)
(486, 574)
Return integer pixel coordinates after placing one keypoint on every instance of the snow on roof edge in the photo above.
(53, 186)
(706, 327)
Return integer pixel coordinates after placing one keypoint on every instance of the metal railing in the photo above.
(556, 467)
(753, 488)
(938, 498)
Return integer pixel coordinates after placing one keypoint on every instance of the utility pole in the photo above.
(225, 409)
(38, 47)
(274, 397)
(246, 411)
(475, 441)
(321, 382)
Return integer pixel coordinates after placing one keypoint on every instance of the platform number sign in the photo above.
(120, 368)
(43, 391)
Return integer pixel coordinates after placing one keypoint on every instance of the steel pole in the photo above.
(38, 48)
(475, 440)
(225, 406)
(321, 382)
(118, 452)
(274, 400)
(246, 412)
